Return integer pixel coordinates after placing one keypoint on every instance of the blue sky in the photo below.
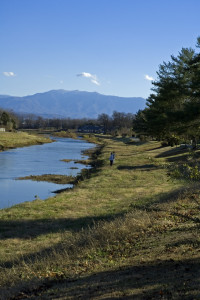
(113, 47)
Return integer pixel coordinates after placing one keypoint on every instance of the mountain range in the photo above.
(71, 104)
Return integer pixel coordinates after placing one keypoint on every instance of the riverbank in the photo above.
(44, 163)
(91, 162)
(126, 231)
(10, 140)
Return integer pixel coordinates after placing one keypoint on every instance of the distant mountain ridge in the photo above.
(71, 104)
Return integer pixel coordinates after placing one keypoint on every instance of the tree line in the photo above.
(173, 109)
(118, 124)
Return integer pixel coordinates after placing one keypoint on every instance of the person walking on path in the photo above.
(111, 158)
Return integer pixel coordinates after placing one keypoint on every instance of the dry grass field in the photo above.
(20, 139)
(129, 231)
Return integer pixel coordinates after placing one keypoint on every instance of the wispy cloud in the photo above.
(93, 78)
(147, 77)
(9, 74)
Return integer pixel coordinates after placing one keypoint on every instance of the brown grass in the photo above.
(20, 139)
(60, 179)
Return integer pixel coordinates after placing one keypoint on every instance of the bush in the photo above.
(186, 171)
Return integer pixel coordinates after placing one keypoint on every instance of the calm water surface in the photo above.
(37, 160)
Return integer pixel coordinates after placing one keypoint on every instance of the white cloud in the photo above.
(9, 74)
(95, 81)
(147, 77)
(93, 78)
(87, 75)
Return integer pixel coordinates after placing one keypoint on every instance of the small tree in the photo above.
(5, 118)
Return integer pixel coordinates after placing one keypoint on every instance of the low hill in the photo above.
(72, 104)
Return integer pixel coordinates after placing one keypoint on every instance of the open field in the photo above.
(124, 232)
(20, 139)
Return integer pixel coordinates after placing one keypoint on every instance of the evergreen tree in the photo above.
(5, 118)
(173, 109)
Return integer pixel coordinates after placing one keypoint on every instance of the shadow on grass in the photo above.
(179, 154)
(187, 217)
(31, 229)
(154, 281)
(167, 279)
(173, 151)
(26, 229)
(156, 148)
(178, 159)
(147, 167)
(193, 242)
(168, 197)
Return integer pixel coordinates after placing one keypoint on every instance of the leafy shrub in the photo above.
(186, 171)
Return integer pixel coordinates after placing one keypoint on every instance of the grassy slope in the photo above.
(127, 231)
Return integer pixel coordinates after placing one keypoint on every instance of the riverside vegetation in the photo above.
(129, 231)
(10, 140)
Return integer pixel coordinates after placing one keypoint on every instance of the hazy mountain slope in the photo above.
(73, 104)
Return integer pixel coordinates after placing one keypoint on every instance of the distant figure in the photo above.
(111, 158)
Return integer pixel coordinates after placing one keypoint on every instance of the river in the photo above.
(38, 160)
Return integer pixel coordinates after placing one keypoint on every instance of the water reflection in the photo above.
(37, 160)
(18, 191)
